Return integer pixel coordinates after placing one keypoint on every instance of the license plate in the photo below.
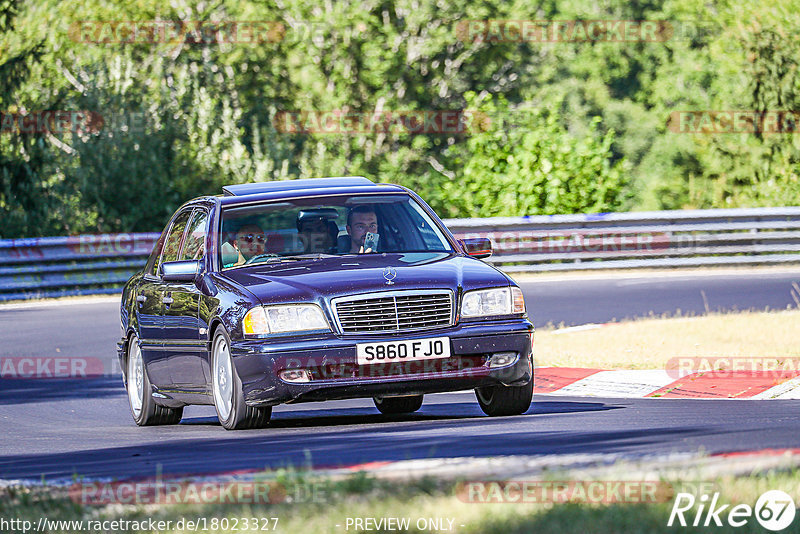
(403, 351)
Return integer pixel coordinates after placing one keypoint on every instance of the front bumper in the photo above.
(331, 363)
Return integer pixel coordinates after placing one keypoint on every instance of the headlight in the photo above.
(285, 318)
(488, 302)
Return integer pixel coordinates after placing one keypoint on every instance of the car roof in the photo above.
(265, 191)
(292, 185)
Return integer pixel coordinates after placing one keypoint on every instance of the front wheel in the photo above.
(397, 405)
(232, 411)
(505, 400)
(144, 410)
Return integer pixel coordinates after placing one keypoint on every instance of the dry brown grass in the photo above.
(650, 343)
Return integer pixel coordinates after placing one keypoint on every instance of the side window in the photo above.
(173, 244)
(155, 255)
(424, 225)
(194, 244)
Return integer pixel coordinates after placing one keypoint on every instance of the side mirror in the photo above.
(180, 271)
(477, 247)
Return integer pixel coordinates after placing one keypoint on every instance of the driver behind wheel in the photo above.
(250, 242)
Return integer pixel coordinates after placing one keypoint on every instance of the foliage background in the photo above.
(575, 127)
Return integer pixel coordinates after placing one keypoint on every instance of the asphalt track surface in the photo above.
(58, 428)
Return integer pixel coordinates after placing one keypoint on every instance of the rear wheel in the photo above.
(232, 411)
(396, 405)
(144, 410)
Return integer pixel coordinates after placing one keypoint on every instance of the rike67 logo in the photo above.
(774, 510)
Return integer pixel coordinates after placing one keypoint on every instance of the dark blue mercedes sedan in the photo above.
(310, 290)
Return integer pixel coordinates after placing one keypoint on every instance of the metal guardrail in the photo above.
(97, 264)
(691, 238)
(66, 266)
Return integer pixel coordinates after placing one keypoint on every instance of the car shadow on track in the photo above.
(440, 411)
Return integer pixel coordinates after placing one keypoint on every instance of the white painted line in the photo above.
(787, 390)
(654, 275)
(68, 301)
(579, 328)
(619, 384)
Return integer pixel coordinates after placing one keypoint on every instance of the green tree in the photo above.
(527, 163)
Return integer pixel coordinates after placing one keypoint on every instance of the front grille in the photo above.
(400, 311)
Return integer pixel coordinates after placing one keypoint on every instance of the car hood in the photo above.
(325, 278)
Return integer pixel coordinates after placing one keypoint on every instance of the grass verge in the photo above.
(422, 503)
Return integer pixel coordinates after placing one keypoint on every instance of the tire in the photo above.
(226, 388)
(397, 405)
(144, 410)
(505, 400)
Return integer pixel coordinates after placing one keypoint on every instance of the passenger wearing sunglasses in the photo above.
(250, 241)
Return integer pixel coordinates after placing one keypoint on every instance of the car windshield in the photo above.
(306, 228)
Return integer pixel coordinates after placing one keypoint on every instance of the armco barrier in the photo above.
(691, 238)
(96, 264)
(64, 266)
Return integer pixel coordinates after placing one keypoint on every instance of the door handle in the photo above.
(141, 298)
(167, 300)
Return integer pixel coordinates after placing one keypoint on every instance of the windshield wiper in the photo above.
(299, 257)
